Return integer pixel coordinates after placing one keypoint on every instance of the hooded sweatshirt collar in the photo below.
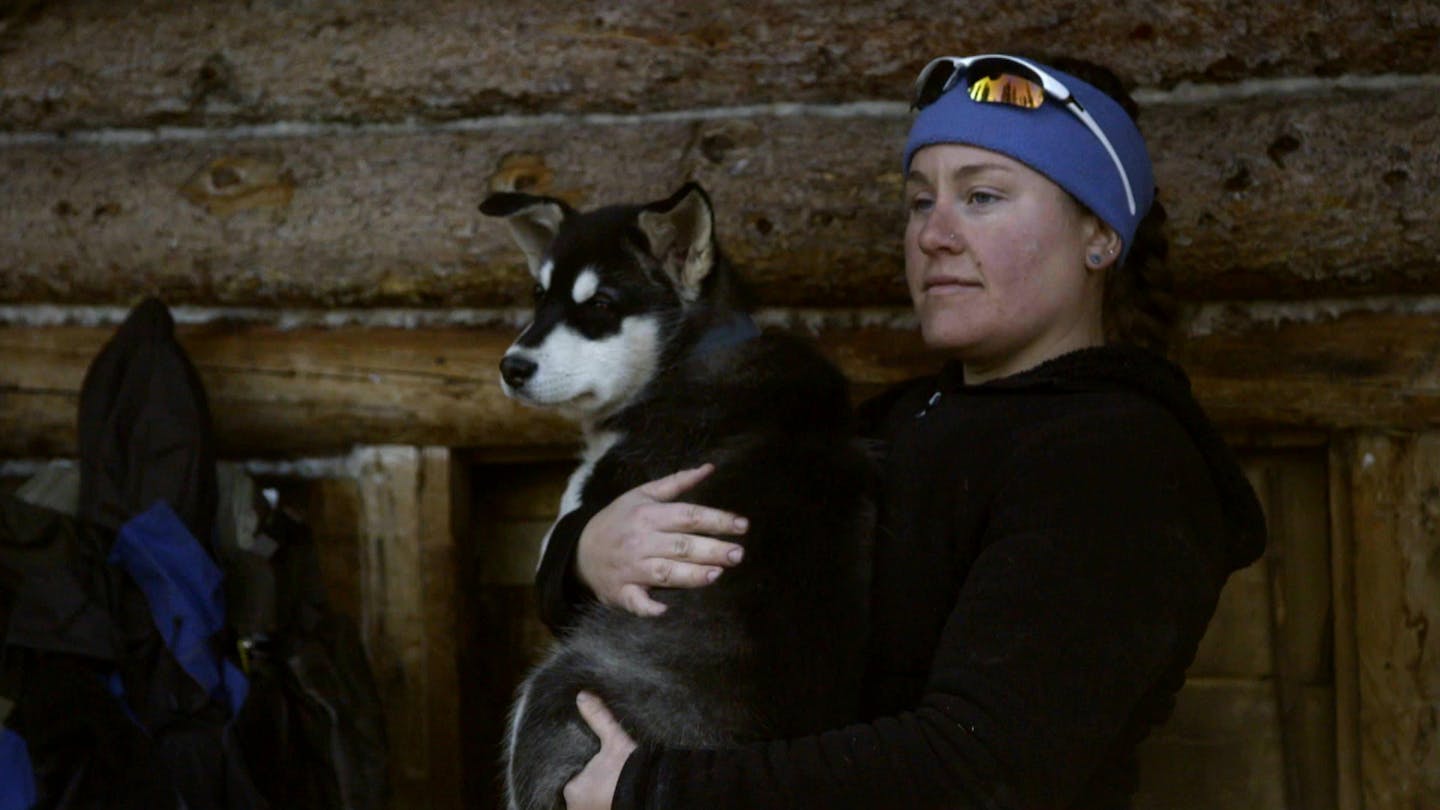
(1112, 368)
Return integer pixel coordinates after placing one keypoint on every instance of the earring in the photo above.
(1095, 259)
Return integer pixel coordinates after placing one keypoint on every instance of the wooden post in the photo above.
(1395, 500)
(409, 617)
(1347, 689)
(1295, 491)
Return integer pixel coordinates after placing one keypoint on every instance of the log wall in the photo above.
(299, 181)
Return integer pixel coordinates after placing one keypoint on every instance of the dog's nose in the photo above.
(516, 369)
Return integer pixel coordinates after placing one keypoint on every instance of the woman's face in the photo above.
(995, 258)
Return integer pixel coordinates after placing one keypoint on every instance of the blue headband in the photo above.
(1053, 142)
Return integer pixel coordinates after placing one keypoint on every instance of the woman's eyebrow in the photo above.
(972, 169)
(959, 173)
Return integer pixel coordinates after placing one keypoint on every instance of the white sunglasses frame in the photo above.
(1052, 86)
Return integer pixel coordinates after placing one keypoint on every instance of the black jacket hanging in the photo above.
(144, 428)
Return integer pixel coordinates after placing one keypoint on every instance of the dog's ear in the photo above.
(533, 221)
(681, 230)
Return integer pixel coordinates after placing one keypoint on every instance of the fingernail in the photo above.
(582, 698)
(712, 575)
(741, 524)
(735, 555)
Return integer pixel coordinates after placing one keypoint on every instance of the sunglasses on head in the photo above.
(1009, 80)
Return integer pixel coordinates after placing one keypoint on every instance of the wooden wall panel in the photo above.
(1221, 749)
(1238, 642)
(514, 505)
(1255, 725)
(330, 507)
(82, 63)
(1294, 490)
(1395, 501)
(1287, 197)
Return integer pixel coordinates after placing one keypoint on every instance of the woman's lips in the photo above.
(947, 285)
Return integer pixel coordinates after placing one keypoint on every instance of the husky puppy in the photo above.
(640, 334)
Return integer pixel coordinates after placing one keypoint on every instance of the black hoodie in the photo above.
(1052, 547)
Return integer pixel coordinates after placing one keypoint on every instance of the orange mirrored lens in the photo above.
(1007, 88)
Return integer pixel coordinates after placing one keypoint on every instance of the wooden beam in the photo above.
(1395, 498)
(808, 204)
(307, 391)
(74, 64)
(319, 391)
(292, 393)
(1312, 369)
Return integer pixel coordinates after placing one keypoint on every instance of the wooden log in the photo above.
(291, 392)
(1306, 367)
(1264, 193)
(1292, 196)
(84, 64)
(409, 617)
(1395, 502)
(317, 391)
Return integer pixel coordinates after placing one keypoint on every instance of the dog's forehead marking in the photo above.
(586, 283)
(547, 268)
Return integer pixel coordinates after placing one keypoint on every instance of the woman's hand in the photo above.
(594, 787)
(644, 540)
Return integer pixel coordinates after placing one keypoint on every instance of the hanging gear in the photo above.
(126, 683)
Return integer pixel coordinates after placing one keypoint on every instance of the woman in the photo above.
(1058, 516)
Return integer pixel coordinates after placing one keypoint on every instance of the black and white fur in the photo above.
(640, 334)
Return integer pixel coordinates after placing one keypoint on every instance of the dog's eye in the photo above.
(537, 292)
(602, 302)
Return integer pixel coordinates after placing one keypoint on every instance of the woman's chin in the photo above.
(946, 335)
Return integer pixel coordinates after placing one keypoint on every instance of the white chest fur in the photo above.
(596, 446)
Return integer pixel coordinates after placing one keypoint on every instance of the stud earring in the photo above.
(1095, 259)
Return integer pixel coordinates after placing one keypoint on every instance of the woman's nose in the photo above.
(940, 234)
